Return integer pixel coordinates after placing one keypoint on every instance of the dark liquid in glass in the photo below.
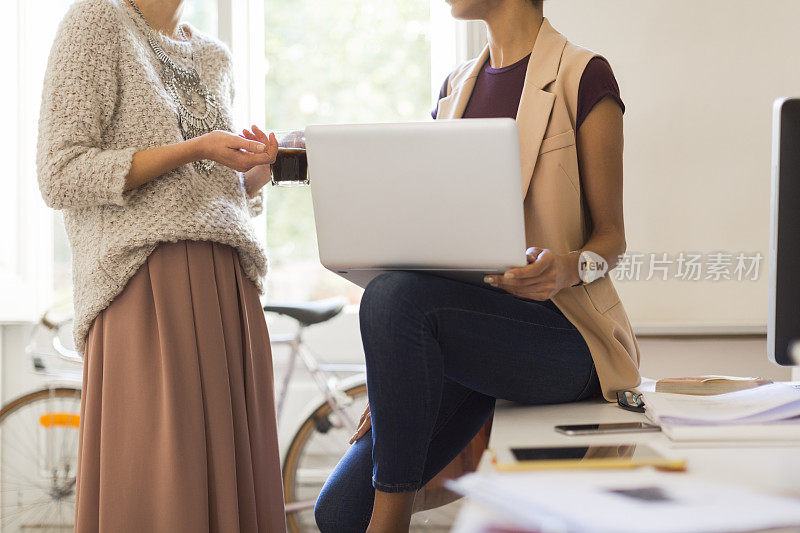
(291, 165)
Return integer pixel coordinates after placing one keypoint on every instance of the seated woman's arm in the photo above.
(600, 146)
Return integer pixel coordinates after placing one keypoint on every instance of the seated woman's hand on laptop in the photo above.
(545, 275)
(258, 176)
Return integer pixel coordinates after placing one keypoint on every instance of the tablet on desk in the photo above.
(583, 457)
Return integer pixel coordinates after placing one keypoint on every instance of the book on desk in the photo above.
(708, 385)
(765, 413)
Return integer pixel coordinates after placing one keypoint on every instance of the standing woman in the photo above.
(177, 428)
(440, 352)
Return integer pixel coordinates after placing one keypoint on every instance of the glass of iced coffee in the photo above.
(290, 168)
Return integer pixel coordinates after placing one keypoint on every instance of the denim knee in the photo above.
(392, 292)
(389, 286)
(333, 515)
(325, 513)
(344, 504)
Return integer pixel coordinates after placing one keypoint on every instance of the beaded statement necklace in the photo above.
(183, 86)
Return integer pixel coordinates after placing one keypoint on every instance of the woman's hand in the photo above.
(364, 425)
(236, 152)
(223, 147)
(545, 275)
(258, 176)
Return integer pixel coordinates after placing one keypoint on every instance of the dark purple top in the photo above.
(498, 91)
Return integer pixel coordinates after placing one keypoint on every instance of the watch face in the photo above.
(591, 266)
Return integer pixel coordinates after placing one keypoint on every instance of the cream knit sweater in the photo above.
(103, 100)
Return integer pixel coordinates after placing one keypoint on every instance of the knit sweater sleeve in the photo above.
(256, 204)
(75, 168)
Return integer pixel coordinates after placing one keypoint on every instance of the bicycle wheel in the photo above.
(314, 452)
(315, 449)
(38, 460)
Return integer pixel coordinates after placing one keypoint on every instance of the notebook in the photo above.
(765, 413)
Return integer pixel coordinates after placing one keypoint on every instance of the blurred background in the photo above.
(697, 131)
(698, 78)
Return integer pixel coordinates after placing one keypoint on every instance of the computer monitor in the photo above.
(783, 328)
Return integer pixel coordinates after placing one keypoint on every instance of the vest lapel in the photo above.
(536, 104)
(453, 105)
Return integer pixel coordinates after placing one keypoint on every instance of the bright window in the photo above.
(202, 14)
(333, 62)
(343, 61)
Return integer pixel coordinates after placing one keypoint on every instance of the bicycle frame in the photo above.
(319, 372)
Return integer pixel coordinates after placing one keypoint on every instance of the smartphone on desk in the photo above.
(605, 429)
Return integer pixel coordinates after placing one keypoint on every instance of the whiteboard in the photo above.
(699, 79)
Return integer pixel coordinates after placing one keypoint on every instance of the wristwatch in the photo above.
(591, 267)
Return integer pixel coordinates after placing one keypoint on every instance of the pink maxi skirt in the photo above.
(177, 428)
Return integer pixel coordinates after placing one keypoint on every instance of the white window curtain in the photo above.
(26, 261)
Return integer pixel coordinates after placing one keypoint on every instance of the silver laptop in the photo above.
(443, 197)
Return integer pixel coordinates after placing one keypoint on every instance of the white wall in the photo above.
(699, 78)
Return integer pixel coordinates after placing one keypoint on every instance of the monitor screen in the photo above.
(783, 330)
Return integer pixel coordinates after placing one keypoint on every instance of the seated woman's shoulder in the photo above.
(576, 54)
(462, 71)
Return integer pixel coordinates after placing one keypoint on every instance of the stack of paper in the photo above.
(766, 413)
(595, 502)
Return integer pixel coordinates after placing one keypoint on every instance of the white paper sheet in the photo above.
(631, 502)
(768, 403)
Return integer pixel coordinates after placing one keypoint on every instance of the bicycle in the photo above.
(38, 477)
(322, 437)
(39, 443)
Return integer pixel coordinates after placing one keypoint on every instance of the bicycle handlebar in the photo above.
(53, 328)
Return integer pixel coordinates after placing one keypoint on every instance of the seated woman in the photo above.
(440, 352)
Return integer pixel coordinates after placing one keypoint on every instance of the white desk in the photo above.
(769, 467)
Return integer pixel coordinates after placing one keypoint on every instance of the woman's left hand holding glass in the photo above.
(545, 275)
(257, 177)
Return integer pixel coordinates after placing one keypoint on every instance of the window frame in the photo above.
(241, 26)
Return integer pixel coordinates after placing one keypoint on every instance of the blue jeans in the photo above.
(439, 352)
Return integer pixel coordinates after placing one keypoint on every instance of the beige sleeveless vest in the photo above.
(555, 214)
